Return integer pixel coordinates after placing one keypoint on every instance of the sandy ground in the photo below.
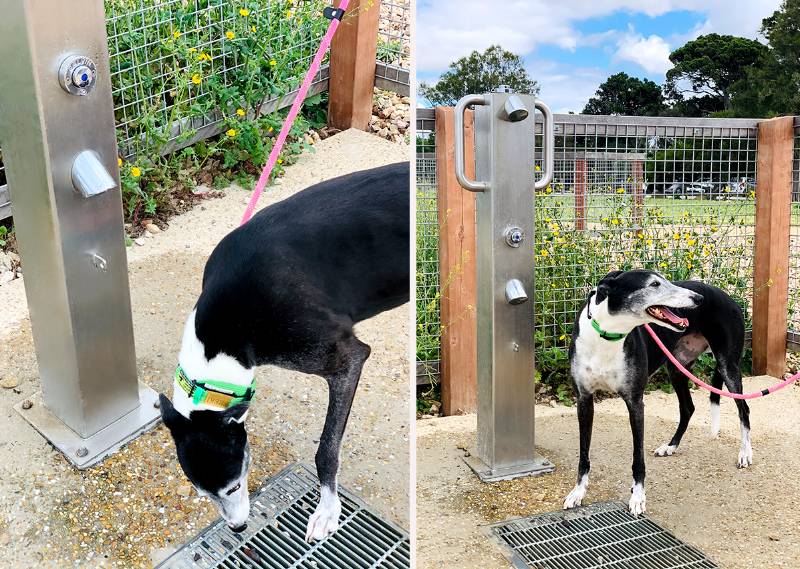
(129, 511)
(740, 518)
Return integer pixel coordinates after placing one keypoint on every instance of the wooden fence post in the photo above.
(638, 192)
(771, 257)
(352, 68)
(580, 194)
(457, 277)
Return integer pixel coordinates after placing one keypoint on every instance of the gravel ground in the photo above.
(741, 518)
(134, 508)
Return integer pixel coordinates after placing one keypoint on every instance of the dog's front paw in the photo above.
(575, 497)
(665, 450)
(745, 456)
(325, 519)
(638, 502)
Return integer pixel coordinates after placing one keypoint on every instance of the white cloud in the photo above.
(567, 89)
(449, 29)
(651, 53)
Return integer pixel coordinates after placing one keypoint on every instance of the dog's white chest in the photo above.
(598, 365)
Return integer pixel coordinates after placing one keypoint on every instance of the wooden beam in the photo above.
(352, 67)
(580, 194)
(771, 258)
(457, 277)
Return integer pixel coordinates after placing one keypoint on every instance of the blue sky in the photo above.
(571, 46)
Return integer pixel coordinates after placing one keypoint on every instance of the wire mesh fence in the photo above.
(171, 60)
(394, 33)
(428, 323)
(673, 195)
(794, 246)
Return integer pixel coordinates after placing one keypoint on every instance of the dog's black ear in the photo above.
(604, 286)
(172, 419)
(236, 414)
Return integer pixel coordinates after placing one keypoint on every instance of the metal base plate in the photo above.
(83, 453)
(275, 534)
(597, 536)
(539, 466)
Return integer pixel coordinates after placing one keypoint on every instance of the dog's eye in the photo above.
(234, 489)
(655, 283)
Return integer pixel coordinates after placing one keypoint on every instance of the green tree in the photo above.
(622, 94)
(480, 73)
(775, 86)
(713, 65)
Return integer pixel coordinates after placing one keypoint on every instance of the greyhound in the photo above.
(286, 289)
(610, 351)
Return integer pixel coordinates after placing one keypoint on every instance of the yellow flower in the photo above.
(689, 265)
(620, 190)
(196, 79)
(556, 232)
(119, 161)
(713, 228)
(615, 221)
(270, 129)
(543, 253)
(176, 34)
(690, 242)
(280, 160)
(230, 35)
(192, 49)
(240, 112)
(203, 57)
(662, 265)
(649, 241)
(562, 337)
(288, 14)
(136, 172)
(538, 168)
(273, 63)
(244, 12)
(231, 133)
(253, 28)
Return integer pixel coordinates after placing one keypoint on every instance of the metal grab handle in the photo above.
(548, 146)
(461, 174)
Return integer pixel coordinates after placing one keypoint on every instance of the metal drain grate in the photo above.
(603, 535)
(275, 533)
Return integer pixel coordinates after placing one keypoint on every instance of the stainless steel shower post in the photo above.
(505, 184)
(60, 153)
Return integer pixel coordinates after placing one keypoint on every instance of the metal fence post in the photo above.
(352, 68)
(505, 185)
(771, 256)
(58, 139)
(459, 346)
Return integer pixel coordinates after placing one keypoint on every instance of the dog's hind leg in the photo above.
(350, 355)
(585, 420)
(716, 381)
(685, 406)
(732, 377)
(637, 503)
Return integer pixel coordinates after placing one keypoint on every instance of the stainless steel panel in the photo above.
(81, 316)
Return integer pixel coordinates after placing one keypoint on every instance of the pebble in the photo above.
(27, 404)
(139, 241)
(153, 228)
(184, 490)
(9, 382)
(391, 115)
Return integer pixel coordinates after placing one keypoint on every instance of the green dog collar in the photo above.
(610, 336)
(213, 392)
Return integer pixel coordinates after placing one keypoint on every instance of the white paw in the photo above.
(745, 456)
(665, 450)
(325, 519)
(638, 502)
(575, 497)
(745, 451)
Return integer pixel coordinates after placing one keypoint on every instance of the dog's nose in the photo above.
(698, 299)
(238, 529)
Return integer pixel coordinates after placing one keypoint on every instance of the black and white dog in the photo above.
(612, 352)
(286, 289)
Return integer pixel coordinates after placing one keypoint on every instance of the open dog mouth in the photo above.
(666, 315)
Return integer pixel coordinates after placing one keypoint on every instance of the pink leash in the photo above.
(711, 388)
(335, 15)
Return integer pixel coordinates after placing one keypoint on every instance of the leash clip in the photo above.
(333, 13)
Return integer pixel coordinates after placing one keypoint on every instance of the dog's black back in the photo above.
(304, 270)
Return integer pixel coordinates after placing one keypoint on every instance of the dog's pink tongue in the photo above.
(674, 318)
